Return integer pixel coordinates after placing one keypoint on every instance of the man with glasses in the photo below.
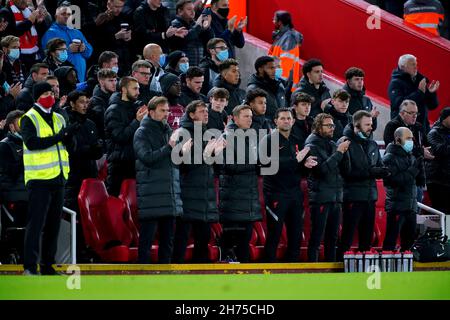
(56, 54)
(325, 187)
(218, 53)
(141, 71)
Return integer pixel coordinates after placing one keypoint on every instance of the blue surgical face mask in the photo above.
(223, 55)
(115, 69)
(183, 67)
(14, 54)
(162, 60)
(6, 87)
(278, 73)
(362, 135)
(408, 146)
(62, 55)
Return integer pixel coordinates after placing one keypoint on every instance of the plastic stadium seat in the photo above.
(107, 225)
(380, 213)
(128, 194)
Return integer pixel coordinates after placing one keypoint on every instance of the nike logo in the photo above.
(440, 254)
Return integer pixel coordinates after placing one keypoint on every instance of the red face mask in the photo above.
(47, 102)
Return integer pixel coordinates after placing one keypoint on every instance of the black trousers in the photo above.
(236, 238)
(440, 197)
(401, 223)
(117, 172)
(166, 229)
(44, 215)
(201, 231)
(359, 215)
(325, 220)
(289, 212)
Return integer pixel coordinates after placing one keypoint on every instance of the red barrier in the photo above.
(336, 32)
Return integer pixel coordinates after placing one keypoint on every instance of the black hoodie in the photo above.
(320, 94)
(359, 101)
(211, 72)
(237, 95)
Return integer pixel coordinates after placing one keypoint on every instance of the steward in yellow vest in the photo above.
(46, 166)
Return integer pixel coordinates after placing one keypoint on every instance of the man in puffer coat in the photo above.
(157, 182)
(197, 188)
(239, 201)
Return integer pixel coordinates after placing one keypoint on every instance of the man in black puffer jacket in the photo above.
(325, 187)
(362, 167)
(438, 169)
(401, 189)
(239, 199)
(197, 188)
(230, 79)
(301, 107)
(121, 122)
(264, 79)
(157, 182)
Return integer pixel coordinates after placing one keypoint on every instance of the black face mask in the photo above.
(223, 12)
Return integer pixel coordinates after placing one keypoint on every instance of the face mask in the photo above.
(184, 67)
(47, 102)
(6, 87)
(115, 69)
(408, 146)
(223, 12)
(278, 73)
(14, 54)
(362, 135)
(62, 56)
(222, 55)
(162, 60)
(17, 135)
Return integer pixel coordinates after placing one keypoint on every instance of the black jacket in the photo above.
(359, 101)
(233, 39)
(120, 126)
(320, 94)
(52, 64)
(187, 96)
(420, 139)
(325, 182)
(438, 170)
(237, 95)
(301, 130)
(362, 154)
(211, 72)
(12, 185)
(276, 94)
(261, 122)
(239, 198)
(197, 183)
(403, 87)
(25, 100)
(217, 120)
(157, 178)
(340, 121)
(64, 86)
(401, 185)
(97, 107)
(150, 25)
(286, 182)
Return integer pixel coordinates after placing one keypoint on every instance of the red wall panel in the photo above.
(335, 31)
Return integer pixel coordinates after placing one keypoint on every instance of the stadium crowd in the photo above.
(125, 89)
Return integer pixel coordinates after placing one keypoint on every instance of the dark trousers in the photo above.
(166, 229)
(401, 223)
(440, 197)
(236, 238)
(201, 231)
(117, 172)
(325, 220)
(359, 215)
(290, 212)
(44, 215)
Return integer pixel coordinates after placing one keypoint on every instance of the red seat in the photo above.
(380, 214)
(103, 171)
(107, 225)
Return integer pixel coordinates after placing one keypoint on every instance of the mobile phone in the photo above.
(125, 26)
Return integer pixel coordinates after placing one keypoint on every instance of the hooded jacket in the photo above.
(237, 95)
(319, 94)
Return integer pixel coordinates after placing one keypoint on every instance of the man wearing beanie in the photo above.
(46, 163)
(177, 63)
(171, 89)
(438, 169)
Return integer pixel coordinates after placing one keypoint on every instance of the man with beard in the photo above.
(230, 79)
(121, 122)
(282, 193)
(325, 186)
(264, 79)
(312, 84)
(107, 82)
(191, 90)
(362, 167)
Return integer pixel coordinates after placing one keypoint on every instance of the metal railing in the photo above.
(73, 234)
(435, 212)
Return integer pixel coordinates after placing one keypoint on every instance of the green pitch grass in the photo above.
(403, 286)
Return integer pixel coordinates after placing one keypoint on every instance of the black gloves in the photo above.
(379, 172)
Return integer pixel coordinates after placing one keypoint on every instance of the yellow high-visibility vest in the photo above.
(45, 164)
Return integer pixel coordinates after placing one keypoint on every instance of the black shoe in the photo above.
(49, 271)
(29, 272)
